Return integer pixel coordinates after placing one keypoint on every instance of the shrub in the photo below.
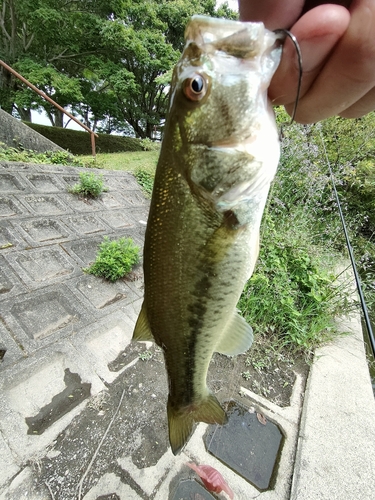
(89, 185)
(115, 259)
(79, 143)
(145, 180)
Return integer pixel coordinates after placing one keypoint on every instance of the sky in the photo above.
(42, 119)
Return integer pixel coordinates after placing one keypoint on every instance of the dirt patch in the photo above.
(139, 432)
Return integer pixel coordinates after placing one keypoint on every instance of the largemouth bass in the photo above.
(219, 155)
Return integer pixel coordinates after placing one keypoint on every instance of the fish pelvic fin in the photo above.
(237, 337)
(181, 420)
(142, 330)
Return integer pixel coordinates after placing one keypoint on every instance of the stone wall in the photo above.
(15, 134)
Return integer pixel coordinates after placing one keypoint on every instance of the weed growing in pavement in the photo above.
(89, 184)
(145, 180)
(145, 355)
(115, 259)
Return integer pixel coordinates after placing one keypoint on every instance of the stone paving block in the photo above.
(10, 285)
(70, 179)
(86, 224)
(8, 464)
(112, 200)
(11, 183)
(80, 203)
(149, 478)
(83, 250)
(43, 265)
(41, 231)
(9, 348)
(134, 198)
(46, 183)
(44, 315)
(128, 183)
(24, 487)
(41, 395)
(118, 219)
(111, 487)
(104, 341)
(9, 238)
(44, 204)
(11, 207)
(102, 294)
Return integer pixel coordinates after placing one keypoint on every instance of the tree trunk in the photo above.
(59, 118)
(25, 114)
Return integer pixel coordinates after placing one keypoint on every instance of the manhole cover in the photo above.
(248, 444)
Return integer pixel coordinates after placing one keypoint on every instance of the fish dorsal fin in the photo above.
(142, 330)
(237, 337)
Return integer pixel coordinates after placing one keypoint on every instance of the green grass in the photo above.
(129, 161)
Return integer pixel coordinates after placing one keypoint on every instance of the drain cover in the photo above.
(186, 490)
(248, 444)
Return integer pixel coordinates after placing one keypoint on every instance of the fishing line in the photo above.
(350, 251)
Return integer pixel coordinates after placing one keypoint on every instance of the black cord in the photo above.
(351, 255)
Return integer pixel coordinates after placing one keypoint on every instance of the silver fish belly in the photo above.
(219, 155)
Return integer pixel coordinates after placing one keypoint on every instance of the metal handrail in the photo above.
(47, 98)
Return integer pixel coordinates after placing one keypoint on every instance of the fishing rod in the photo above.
(351, 255)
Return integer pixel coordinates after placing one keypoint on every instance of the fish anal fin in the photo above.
(181, 420)
(237, 337)
(142, 330)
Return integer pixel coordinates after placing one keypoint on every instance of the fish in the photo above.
(219, 154)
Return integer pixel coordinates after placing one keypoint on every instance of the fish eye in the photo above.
(195, 87)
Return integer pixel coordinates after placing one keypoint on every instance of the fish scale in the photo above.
(219, 154)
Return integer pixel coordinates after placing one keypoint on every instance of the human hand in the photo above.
(338, 55)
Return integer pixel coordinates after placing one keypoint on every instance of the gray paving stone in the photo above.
(102, 294)
(112, 200)
(104, 342)
(24, 487)
(111, 487)
(118, 219)
(13, 352)
(80, 204)
(43, 204)
(11, 183)
(43, 265)
(8, 464)
(11, 207)
(43, 230)
(134, 198)
(45, 183)
(83, 250)
(9, 238)
(10, 284)
(86, 224)
(44, 315)
(32, 385)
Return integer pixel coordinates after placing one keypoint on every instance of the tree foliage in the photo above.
(104, 59)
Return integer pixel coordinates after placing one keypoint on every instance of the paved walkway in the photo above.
(82, 411)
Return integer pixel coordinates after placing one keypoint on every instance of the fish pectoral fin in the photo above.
(237, 337)
(181, 420)
(142, 330)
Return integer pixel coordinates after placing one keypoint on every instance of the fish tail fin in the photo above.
(181, 420)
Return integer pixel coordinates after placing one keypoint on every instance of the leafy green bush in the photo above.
(145, 180)
(30, 156)
(115, 259)
(149, 145)
(79, 143)
(89, 184)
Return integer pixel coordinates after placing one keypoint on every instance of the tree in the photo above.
(105, 59)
